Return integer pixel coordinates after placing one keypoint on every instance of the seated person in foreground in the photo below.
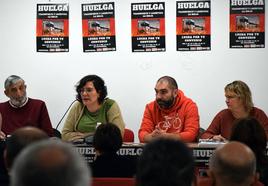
(50, 163)
(21, 110)
(107, 141)
(232, 164)
(166, 162)
(18, 140)
(172, 114)
(250, 132)
(240, 105)
(91, 107)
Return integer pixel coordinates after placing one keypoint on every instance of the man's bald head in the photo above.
(50, 163)
(29, 133)
(170, 80)
(19, 139)
(233, 163)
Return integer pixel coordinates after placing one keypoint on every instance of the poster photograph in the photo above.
(52, 28)
(98, 25)
(247, 24)
(148, 27)
(193, 25)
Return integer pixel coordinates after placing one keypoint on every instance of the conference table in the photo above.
(201, 153)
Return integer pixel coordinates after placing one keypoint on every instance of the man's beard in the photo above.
(18, 102)
(165, 104)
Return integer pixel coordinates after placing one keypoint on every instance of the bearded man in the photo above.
(20, 110)
(170, 115)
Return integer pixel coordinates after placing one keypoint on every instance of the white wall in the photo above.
(130, 77)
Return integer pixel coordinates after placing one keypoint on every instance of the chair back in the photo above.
(113, 182)
(128, 135)
(207, 181)
(200, 132)
(204, 181)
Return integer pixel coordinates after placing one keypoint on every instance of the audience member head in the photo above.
(98, 84)
(19, 139)
(107, 138)
(242, 91)
(250, 132)
(50, 163)
(165, 162)
(15, 89)
(233, 164)
(166, 90)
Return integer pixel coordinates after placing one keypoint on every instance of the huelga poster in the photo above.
(98, 25)
(193, 25)
(52, 28)
(148, 27)
(247, 24)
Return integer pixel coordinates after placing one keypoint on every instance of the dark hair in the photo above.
(98, 83)
(171, 81)
(165, 162)
(107, 138)
(250, 132)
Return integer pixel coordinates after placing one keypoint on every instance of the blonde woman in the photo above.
(239, 105)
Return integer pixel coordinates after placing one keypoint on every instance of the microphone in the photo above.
(56, 131)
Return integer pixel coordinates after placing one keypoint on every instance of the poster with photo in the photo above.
(98, 25)
(148, 27)
(193, 25)
(247, 24)
(52, 28)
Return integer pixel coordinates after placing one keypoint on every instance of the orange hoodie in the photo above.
(182, 119)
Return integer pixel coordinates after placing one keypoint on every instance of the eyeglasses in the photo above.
(86, 90)
(231, 97)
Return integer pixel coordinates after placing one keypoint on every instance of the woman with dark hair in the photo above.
(92, 107)
(107, 141)
(250, 132)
